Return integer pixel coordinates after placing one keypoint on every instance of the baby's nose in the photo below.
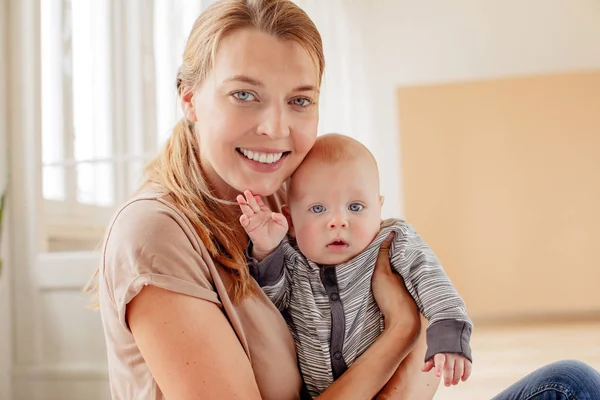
(338, 222)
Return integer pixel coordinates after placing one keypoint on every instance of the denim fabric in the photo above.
(562, 380)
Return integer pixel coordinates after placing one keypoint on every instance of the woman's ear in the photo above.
(187, 106)
(285, 210)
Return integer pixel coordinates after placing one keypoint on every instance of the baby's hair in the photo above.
(331, 149)
(334, 147)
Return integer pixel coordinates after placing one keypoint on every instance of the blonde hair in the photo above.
(177, 168)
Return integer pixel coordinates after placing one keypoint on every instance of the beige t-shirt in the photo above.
(149, 242)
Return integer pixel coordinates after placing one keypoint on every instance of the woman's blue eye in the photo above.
(301, 102)
(318, 209)
(244, 96)
(355, 207)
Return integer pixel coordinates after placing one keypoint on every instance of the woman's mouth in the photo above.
(262, 161)
(262, 157)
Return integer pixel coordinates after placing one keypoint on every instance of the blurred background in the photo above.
(484, 116)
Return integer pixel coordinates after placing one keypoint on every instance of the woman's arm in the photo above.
(190, 347)
(409, 381)
(374, 368)
(190, 361)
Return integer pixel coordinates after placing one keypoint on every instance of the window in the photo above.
(101, 89)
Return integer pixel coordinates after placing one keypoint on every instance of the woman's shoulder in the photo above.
(147, 217)
(150, 242)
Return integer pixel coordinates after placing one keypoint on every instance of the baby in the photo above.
(320, 274)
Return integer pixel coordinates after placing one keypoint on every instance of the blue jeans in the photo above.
(562, 380)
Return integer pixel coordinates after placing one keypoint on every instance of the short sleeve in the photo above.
(149, 243)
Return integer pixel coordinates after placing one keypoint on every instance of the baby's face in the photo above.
(335, 209)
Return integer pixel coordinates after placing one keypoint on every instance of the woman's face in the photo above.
(256, 113)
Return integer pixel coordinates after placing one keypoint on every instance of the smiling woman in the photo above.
(173, 261)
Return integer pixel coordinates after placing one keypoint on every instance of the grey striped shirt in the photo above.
(332, 313)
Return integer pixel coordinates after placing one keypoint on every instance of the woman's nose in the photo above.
(274, 123)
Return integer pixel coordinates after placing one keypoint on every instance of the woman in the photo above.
(181, 315)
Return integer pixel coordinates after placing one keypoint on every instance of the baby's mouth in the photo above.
(338, 242)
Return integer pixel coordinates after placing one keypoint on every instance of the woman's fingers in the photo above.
(396, 304)
(385, 245)
(382, 265)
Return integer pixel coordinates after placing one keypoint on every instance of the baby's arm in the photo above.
(450, 327)
(266, 231)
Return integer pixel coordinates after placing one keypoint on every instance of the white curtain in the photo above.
(345, 97)
(173, 21)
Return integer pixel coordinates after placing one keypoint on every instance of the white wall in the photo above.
(415, 42)
(5, 298)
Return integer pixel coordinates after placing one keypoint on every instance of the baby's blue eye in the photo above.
(301, 101)
(244, 96)
(356, 207)
(317, 209)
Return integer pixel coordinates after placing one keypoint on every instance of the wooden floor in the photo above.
(504, 354)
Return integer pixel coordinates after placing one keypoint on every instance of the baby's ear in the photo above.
(381, 199)
(285, 210)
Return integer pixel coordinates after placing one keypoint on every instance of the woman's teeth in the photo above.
(265, 158)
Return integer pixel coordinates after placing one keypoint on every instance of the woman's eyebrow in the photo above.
(245, 79)
(255, 82)
(306, 88)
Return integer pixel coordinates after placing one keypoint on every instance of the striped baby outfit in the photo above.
(332, 313)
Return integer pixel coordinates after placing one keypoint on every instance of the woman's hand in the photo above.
(373, 369)
(394, 301)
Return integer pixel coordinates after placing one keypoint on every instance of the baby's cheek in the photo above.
(369, 233)
(311, 240)
(303, 236)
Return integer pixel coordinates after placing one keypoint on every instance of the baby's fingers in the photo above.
(428, 365)
(259, 201)
(246, 209)
(439, 360)
(279, 218)
(467, 372)
(244, 220)
(459, 367)
(448, 372)
(251, 200)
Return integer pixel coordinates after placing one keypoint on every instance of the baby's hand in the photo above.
(455, 367)
(265, 228)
